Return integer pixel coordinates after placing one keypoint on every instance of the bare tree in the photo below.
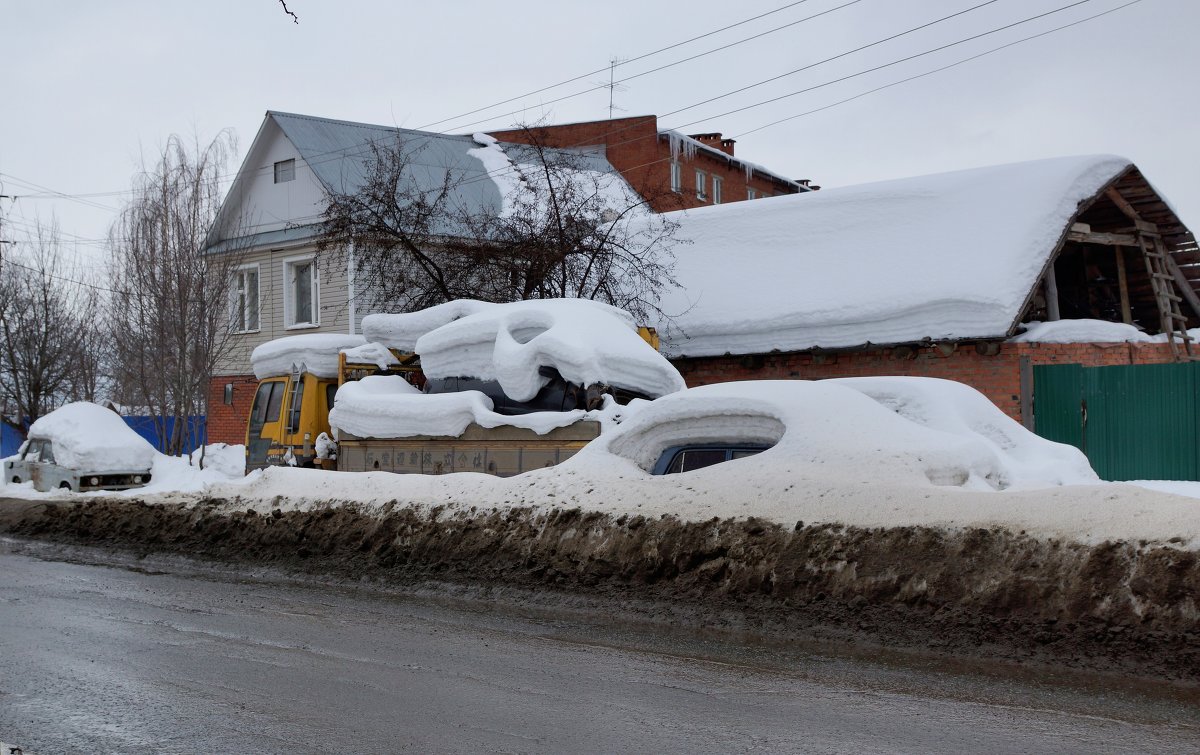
(50, 338)
(562, 229)
(171, 326)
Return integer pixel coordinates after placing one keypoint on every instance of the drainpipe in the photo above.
(350, 285)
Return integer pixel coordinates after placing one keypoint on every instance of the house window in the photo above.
(285, 170)
(676, 177)
(716, 190)
(245, 299)
(301, 300)
(701, 179)
(750, 194)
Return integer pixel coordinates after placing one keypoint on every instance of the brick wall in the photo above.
(227, 423)
(996, 376)
(633, 147)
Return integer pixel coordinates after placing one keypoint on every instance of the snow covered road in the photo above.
(168, 657)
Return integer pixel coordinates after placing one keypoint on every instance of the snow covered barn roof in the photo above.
(950, 256)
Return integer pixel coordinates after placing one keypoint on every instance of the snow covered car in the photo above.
(687, 458)
(81, 447)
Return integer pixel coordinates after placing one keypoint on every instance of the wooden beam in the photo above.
(1052, 311)
(1127, 208)
(1123, 283)
(1108, 239)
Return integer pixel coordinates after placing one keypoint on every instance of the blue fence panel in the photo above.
(145, 427)
(10, 440)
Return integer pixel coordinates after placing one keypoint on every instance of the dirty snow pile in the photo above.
(387, 406)
(586, 341)
(1089, 331)
(900, 431)
(879, 263)
(89, 438)
(317, 352)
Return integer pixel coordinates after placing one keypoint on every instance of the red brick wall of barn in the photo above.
(227, 422)
(998, 376)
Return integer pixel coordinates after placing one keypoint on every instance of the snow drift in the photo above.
(89, 438)
(879, 263)
(898, 431)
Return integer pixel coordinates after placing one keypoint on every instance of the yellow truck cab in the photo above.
(288, 414)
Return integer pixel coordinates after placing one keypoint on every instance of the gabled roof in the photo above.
(949, 256)
(339, 154)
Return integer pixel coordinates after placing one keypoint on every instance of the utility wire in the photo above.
(606, 68)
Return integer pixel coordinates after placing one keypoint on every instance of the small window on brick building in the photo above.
(716, 197)
(676, 177)
(285, 170)
(750, 194)
(701, 180)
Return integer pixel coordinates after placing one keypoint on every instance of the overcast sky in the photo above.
(91, 87)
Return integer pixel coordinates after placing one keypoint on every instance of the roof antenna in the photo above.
(612, 85)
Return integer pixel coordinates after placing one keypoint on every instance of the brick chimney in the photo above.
(715, 141)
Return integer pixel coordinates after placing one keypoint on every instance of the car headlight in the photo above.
(94, 481)
(137, 479)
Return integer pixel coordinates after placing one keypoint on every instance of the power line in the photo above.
(621, 63)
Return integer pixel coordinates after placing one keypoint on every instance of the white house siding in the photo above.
(333, 305)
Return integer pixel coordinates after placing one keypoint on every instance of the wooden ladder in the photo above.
(1162, 282)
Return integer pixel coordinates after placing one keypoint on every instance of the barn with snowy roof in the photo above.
(977, 275)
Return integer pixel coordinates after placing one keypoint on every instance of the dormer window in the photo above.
(285, 170)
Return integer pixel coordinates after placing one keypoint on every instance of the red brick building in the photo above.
(672, 170)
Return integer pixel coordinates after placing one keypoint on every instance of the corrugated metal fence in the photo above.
(1134, 422)
(10, 439)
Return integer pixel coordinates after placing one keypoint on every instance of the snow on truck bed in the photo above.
(944, 256)
(586, 341)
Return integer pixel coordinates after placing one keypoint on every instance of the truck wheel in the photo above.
(16, 480)
(64, 484)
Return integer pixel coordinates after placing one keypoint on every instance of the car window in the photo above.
(697, 458)
(259, 411)
(742, 453)
(47, 452)
(34, 451)
(330, 392)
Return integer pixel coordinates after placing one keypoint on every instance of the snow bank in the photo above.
(387, 406)
(1089, 331)
(1080, 331)
(586, 341)
(318, 352)
(401, 331)
(905, 431)
(891, 262)
(1026, 459)
(89, 438)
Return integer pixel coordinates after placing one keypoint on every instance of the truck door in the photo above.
(263, 428)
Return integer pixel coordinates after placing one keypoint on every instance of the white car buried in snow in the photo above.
(81, 447)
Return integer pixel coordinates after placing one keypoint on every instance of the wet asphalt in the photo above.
(102, 653)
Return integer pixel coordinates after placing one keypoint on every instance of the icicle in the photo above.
(749, 167)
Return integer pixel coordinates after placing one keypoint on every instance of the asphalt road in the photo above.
(177, 658)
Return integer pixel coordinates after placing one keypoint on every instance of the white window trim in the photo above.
(701, 185)
(676, 177)
(716, 189)
(233, 304)
(287, 294)
(281, 163)
(750, 193)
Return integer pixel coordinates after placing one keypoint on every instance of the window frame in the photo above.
(239, 310)
(289, 304)
(676, 177)
(716, 189)
(285, 170)
(701, 185)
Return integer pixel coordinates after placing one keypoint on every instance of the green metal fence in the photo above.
(1134, 422)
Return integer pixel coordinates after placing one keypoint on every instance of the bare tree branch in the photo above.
(295, 18)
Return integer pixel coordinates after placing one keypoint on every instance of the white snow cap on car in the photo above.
(89, 438)
(586, 341)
